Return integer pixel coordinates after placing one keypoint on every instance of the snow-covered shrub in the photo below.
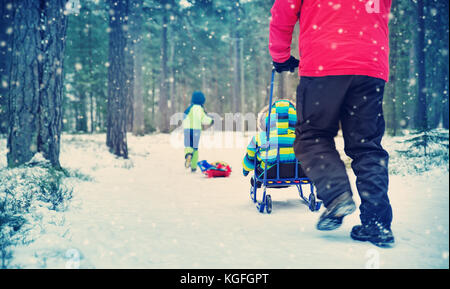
(35, 186)
(420, 152)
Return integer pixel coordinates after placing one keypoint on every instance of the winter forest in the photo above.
(158, 52)
(88, 173)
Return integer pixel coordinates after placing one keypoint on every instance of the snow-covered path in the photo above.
(149, 212)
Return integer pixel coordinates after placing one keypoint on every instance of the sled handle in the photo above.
(268, 127)
(270, 102)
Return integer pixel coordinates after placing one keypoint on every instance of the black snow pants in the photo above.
(356, 103)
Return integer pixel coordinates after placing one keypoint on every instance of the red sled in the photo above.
(215, 170)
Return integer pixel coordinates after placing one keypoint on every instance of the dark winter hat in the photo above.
(198, 98)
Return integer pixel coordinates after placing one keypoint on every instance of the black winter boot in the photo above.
(188, 158)
(375, 233)
(340, 207)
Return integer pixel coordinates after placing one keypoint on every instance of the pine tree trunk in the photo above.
(91, 111)
(394, 70)
(444, 65)
(236, 60)
(173, 91)
(153, 96)
(172, 95)
(130, 83)
(231, 86)
(412, 75)
(257, 85)
(129, 62)
(138, 122)
(24, 83)
(36, 81)
(219, 101)
(116, 138)
(422, 105)
(5, 45)
(52, 80)
(91, 75)
(138, 97)
(81, 116)
(163, 91)
(237, 74)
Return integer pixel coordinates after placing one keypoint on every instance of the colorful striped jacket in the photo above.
(283, 118)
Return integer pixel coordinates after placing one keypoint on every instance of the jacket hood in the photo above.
(198, 98)
(283, 118)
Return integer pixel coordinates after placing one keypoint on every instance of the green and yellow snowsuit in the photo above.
(195, 117)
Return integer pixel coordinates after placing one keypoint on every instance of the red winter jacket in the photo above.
(337, 37)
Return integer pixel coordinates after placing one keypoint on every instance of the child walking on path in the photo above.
(194, 117)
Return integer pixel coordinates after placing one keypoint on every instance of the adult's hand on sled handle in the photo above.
(289, 65)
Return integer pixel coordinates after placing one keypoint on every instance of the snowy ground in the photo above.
(148, 212)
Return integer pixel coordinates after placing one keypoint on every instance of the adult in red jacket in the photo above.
(343, 67)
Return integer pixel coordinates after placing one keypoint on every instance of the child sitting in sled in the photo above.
(283, 118)
(194, 117)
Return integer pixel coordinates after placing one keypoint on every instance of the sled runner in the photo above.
(215, 170)
(280, 175)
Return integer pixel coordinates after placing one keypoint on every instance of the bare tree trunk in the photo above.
(172, 96)
(52, 80)
(129, 63)
(81, 115)
(412, 75)
(24, 77)
(258, 95)
(237, 75)
(129, 66)
(422, 105)
(219, 101)
(445, 68)
(138, 125)
(182, 89)
(445, 100)
(231, 86)
(36, 81)
(116, 138)
(236, 60)
(153, 96)
(91, 111)
(91, 68)
(163, 91)
(5, 58)
(394, 71)
(394, 109)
